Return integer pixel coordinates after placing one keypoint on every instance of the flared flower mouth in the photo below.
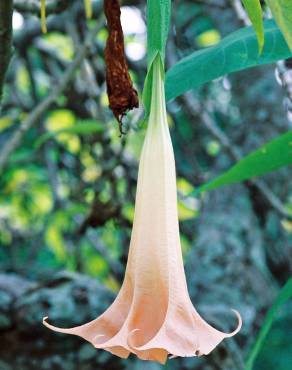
(153, 316)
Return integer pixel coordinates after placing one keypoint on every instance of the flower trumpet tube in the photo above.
(153, 316)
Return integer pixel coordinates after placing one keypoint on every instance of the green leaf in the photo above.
(254, 11)
(158, 19)
(282, 12)
(235, 52)
(284, 295)
(82, 128)
(275, 154)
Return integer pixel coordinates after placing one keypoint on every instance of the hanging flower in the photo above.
(153, 316)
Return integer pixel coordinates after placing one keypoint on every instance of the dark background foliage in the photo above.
(68, 187)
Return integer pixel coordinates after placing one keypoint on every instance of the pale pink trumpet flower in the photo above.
(153, 316)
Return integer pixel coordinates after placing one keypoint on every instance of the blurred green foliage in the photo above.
(73, 161)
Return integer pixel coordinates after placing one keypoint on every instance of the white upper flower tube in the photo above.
(153, 316)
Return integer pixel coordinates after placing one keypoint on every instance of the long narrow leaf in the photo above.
(254, 11)
(235, 52)
(83, 128)
(282, 12)
(283, 297)
(275, 154)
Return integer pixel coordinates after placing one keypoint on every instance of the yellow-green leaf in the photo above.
(254, 11)
(282, 12)
(88, 8)
(82, 128)
(43, 16)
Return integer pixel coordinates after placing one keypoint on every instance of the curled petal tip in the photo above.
(239, 325)
(45, 320)
(47, 324)
(55, 328)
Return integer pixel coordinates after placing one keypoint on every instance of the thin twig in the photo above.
(42, 107)
(214, 4)
(235, 154)
(240, 12)
(34, 6)
(6, 10)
